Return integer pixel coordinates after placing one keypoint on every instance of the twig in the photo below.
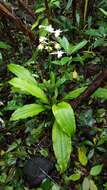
(5, 11)
(30, 12)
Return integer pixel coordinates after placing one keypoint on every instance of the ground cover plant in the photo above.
(53, 95)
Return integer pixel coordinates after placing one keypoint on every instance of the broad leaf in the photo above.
(86, 184)
(74, 177)
(29, 87)
(93, 185)
(74, 93)
(27, 111)
(82, 156)
(62, 147)
(21, 72)
(78, 46)
(64, 116)
(96, 170)
(100, 93)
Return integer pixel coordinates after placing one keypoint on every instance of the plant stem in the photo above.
(48, 11)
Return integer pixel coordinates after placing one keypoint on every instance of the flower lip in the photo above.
(58, 53)
(57, 33)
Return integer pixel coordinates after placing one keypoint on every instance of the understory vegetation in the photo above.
(53, 95)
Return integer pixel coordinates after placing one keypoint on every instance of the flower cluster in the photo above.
(51, 30)
(50, 45)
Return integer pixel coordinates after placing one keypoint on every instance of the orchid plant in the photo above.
(64, 125)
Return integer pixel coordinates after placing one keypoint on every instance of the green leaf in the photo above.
(55, 187)
(39, 10)
(93, 185)
(21, 72)
(74, 177)
(103, 11)
(63, 61)
(26, 111)
(64, 116)
(86, 184)
(12, 147)
(91, 154)
(99, 42)
(64, 43)
(100, 93)
(93, 32)
(74, 93)
(4, 45)
(30, 87)
(35, 24)
(82, 155)
(96, 170)
(62, 147)
(8, 188)
(78, 46)
(69, 5)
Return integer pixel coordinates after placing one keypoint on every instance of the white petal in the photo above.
(50, 29)
(42, 39)
(57, 33)
(59, 54)
(40, 46)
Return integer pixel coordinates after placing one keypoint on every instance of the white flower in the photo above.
(58, 53)
(42, 39)
(57, 33)
(40, 46)
(50, 29)
(57, 46)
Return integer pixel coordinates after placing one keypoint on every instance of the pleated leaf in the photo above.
(62, 147)
(21, 72)
(29, 87)
(64, 116)
(26, 111)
